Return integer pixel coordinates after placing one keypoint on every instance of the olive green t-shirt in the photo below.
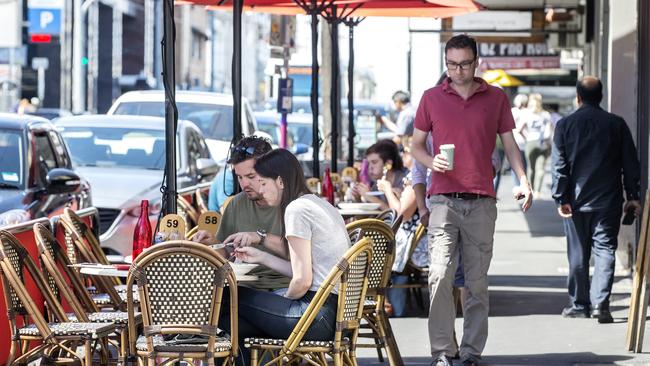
(242, 214)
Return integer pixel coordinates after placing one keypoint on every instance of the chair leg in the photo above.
(88, 361)
(12, 352)
(254, 357)
(338, 359)
(392, 351)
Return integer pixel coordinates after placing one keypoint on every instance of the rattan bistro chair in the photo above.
(374, 315)
(351, 275)
(55, 264)
(188, 212)
(391, 218)
(180, 285)
(59, 338)
(201, 204)
(417, 276)
(109, 293)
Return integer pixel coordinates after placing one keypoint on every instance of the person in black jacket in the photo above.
(591, 150)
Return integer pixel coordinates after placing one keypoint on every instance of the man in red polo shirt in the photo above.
(468, 113)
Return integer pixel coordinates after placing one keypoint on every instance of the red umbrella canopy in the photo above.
(386, 8)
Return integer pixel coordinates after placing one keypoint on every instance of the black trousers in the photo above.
(587, 233)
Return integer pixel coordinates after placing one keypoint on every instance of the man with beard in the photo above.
(248, 219)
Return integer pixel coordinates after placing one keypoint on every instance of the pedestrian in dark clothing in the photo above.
(591, 149)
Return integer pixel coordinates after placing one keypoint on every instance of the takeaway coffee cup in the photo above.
(448, 151)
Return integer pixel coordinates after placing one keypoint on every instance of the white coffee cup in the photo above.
(448, 151)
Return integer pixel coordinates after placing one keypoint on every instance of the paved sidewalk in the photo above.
(527, 294)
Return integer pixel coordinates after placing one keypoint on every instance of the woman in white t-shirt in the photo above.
(538, 128)
(316, 240)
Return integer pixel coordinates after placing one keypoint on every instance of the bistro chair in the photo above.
(105, 292)
(417, 276)
(355, 235)
(225, 203)
(201, 204)
(187, 211)
(313, 184)
(60, 337)
(374, 315)
(55, 264)
(350, 174)
(76, 229)
(351, 277)
(391, 218)
(180, 285)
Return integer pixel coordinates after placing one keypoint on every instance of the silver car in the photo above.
(123, 157)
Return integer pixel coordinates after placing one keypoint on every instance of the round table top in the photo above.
(357, 212)
(102, 270)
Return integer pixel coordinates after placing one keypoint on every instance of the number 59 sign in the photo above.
(173, 223)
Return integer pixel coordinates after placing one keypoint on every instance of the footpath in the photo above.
(527, 295)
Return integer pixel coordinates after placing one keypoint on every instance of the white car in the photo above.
(123, 158)
(211, 112)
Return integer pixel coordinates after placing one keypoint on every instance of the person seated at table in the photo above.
(380, 156)
(317, 239)
(222, 187)
(248, 217)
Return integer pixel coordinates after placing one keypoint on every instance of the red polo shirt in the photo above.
(472, 126)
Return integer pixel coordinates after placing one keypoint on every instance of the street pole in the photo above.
(79, 42)
(171, 117)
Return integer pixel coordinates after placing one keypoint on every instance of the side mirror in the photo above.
(61, 180)
(206, 166)
(299, 148)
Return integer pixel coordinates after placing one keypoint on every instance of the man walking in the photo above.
(468, 113)
(403, 127)
(591, 149)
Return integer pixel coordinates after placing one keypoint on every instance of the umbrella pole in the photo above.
(171, 114)
(236, 70)
(314, 88)
(351, 130)
(335, 100)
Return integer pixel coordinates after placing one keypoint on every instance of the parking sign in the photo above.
(45, 17)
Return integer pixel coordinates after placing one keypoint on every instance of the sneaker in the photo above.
(442, 361)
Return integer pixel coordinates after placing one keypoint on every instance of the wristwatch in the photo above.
(262, 234)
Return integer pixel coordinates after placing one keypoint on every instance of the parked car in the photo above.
(212, 112)
(36, 174)
(123, 157)
(51, 113)
(299, 129)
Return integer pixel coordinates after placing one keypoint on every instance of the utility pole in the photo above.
(79, 58)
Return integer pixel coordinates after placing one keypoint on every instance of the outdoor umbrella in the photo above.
(336, 11)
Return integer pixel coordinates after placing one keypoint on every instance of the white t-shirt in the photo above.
(519, 115)
(312, 218)
(538, 126)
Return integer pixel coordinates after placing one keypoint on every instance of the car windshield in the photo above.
(214, 120)
(116, 147)
(272, 129)
(300, 133)
(11, 159)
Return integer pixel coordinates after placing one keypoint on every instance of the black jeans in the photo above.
(264, 314)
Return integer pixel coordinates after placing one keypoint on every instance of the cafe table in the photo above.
(346, 213)
(93, 269)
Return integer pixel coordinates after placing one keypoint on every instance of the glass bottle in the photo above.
(142, 232)
(327, 189)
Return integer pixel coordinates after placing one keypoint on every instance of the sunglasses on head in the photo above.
(244, 150)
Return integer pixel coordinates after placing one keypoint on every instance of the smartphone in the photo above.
(629, 217)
